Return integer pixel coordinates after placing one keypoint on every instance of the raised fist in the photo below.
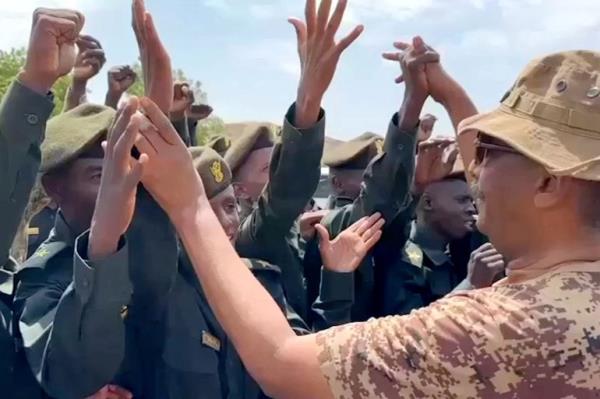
(90, 58)
(51, 52)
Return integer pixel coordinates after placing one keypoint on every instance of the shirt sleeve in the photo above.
(73, 332)
(23, 116)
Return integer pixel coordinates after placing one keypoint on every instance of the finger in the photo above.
(392, 56)
(419, 44)
(160, 120)
(123, 119)
(371, 220)
(492, 259)
(401, 45)
(487, 254)
(153, 136)
(300, 28)
(348, 40)
(336, 19)
(370, 243)
(426, 58)
(137, 13)
(399, 79)
(323, 16)
(90, 40)
(65, 27)
(452, 154)
(76, 17)
(133, 179)
(121, 391)
(323, 233)
(125, 143)
(93, 53)
(144, 147)
(372, 230)
(357, 224)
(311, 17)
(498, 266)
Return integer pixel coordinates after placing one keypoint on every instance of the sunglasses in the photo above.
(482, 149)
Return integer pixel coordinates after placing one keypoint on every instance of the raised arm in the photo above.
(90, 60)
(298, 158)
(25, 109)
(73, 332)
(120, 78)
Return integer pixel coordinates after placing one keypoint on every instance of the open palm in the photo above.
(346, 251)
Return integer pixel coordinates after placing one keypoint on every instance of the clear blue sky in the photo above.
(244, 50)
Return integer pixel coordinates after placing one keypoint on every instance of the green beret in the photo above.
(70, 134)
(220, 144)
(253, 138)
(214, 172)
(354, 154)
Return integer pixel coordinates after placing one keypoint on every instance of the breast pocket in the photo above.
(190, 368)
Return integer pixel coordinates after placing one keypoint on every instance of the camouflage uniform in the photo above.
(532, 339)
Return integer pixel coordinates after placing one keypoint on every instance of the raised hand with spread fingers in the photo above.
(344, 253)
(319, 55)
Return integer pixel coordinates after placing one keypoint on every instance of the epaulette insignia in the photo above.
(211, 341)
(42, 252)
(217, 171)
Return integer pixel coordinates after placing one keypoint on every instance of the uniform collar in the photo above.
(62, 232)
(429, 244)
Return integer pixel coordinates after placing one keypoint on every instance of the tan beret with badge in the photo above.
(70, 134)
(253, 137)
(552, 114)
(354, 154)
(213, 170)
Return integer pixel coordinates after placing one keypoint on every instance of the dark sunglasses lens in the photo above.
(479, 155)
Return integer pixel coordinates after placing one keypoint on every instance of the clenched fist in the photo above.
(51, 52)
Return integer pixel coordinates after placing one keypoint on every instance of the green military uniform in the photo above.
(23, 116)
(354, 155)
(293, 177)
(386, 189)
(65, 302)
(183, 352)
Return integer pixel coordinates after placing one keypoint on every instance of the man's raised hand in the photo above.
(319, 55)
(90, 59)
(169, 176)
(346, 251)
(51, 51)
(121, 174)
(156, 64)
(435, 161)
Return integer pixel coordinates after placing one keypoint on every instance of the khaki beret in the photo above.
(354, 154)
(212, 168)
(552, 114)
(220, 144)
(253, 138)
(70, 134)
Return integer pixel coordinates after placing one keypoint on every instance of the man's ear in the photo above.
(337, 184)
(54, 187)
(426, 202)
(551, 191)
(240, 191)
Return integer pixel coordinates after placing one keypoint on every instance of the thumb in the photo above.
(323, 233)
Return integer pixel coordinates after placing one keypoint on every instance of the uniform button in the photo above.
(32, 119)
(85, 283)
(593, 92)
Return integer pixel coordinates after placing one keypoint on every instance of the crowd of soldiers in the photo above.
(137, 264)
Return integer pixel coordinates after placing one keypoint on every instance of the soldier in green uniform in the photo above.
(291, 167)
(25, 108)
(533, 334)
(347, 163)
